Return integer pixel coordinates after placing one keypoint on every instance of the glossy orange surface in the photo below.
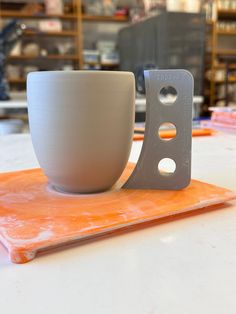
(165, 134)
(138, 137)
(34, 217)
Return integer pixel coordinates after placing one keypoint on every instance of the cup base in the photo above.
(65, 191)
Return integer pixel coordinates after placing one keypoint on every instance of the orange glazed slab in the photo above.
(34, 217)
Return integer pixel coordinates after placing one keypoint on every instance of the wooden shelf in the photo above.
(17, 81)
(208, 22)
(223, 66)
(54, 33)
(49, 57)
(19, 14)
(26, 15)
(230, 80)
(110, 65)
(222, 55)
(105, 18)
(72, 32)
(226, 12)
(229, 33)
(229, 52)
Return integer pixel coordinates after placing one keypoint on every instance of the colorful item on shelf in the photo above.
(191, 6)
(110, 58)
(222, 118)
(52, 25)
(11, 126)
(109, 7)
(32, 8)
(122, 11)
(91, 56)
(104, 7)
(227, 4)
(9, 35)
(32, 14)
(31, 49)
(16, 50)
(13, 72)
(29, 68)
(54, 7)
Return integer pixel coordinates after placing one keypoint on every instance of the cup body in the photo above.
(81, 124)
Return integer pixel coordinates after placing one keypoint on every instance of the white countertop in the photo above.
(13, 104)
(22, 103)
(140, 104)
(182, 267)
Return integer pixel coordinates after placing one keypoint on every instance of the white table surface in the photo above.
(183, 267)
(13, 104)
(22, 103)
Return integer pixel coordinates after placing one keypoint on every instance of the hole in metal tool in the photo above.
(166, 166)
(167, 131)
(168, 95)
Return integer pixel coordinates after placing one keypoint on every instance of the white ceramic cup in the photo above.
(81, 124)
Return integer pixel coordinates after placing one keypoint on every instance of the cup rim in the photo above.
(78, 73)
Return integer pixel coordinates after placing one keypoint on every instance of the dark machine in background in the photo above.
(9, 35)
(170, 40)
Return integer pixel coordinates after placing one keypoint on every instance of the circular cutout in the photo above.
(167, 131)
(166, 166)
(168, 95)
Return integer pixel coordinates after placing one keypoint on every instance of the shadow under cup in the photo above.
(81, 124)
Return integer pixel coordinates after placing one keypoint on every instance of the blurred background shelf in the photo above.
(48, 57)
(222, 49)
(223, 65)
(230, 80)
(49, 33)
(94, 18)
(51, 39)
(224, 13)
(25, 15)
(57, 40)
(228, 33)
(83, 35)
(17, 81)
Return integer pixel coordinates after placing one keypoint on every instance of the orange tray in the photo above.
(35, 218)
(139, 136)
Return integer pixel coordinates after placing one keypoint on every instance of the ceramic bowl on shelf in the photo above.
(11, 126)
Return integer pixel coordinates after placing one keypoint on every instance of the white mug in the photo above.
(81, 124)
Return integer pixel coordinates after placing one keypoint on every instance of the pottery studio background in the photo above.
(127, 35)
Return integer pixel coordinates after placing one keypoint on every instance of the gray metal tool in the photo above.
(160, 110)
